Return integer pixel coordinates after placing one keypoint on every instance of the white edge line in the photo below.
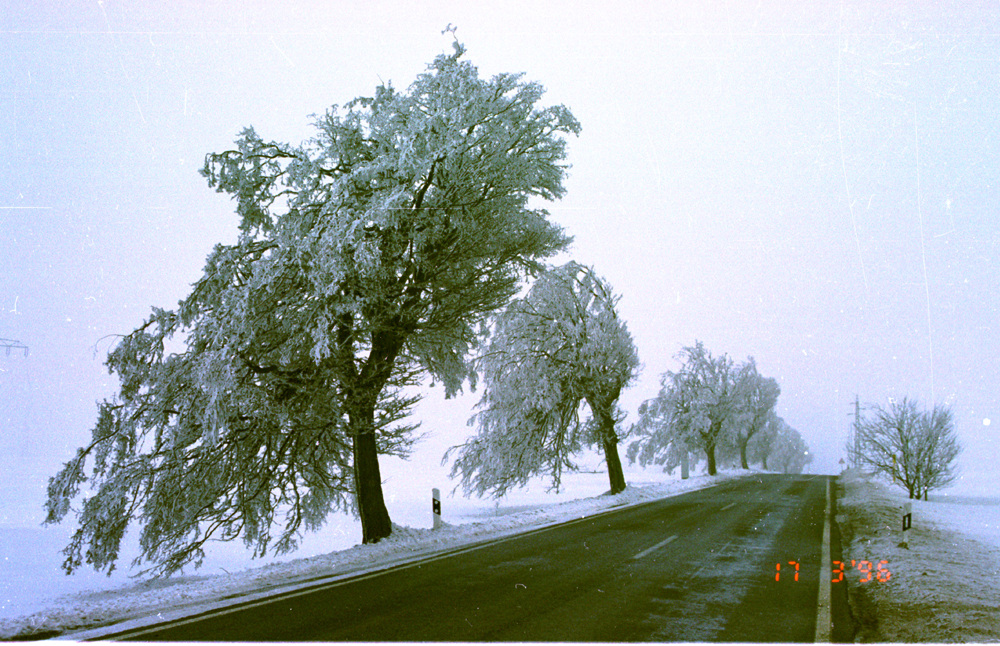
(654, 548)
(823, 609)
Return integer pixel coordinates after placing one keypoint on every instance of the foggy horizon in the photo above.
(816, 190)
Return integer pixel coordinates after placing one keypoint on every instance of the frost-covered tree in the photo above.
(695, 407)
(369, 254)
(762, 445)
(559, 347)
(937, 450)
(659, 440)
(759, 395)
(915, 449)
(791, 453)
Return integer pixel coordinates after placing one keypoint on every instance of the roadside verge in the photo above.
(942, 588)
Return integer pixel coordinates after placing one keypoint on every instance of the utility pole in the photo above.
(857, 438)
(16, 345)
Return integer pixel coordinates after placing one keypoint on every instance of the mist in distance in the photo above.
(818, 191)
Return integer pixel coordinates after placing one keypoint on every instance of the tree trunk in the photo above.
(615, 473)
(375, 523)
(361, 403)
(743, 454)
(763, 462)
(710, 454)
(602, 411)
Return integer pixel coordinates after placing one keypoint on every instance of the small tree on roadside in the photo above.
(914, 449)
(368, 255)
(695, 406)
(560, 346)
(937, 450)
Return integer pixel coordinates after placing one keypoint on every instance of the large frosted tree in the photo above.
(560, 347)
(694, 410)
(366, 256)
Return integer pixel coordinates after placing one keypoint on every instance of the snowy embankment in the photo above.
(155, 600)
(945, 587)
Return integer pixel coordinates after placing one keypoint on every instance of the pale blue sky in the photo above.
(818, 189)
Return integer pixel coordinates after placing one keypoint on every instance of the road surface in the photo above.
(701, 566)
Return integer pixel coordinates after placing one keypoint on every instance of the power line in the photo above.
(12, 344)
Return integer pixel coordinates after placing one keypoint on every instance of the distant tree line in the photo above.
(712, 408)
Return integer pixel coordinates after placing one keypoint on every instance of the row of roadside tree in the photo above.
(554, 368)
(714, 409)
(387, 248)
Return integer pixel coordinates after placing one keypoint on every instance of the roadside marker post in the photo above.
(684, 466)
(907, 522)
(436, 507)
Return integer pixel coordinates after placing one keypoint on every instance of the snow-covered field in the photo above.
(38, 599)
(945, 587)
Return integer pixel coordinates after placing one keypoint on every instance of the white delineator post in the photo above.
(907, 521)
(684, 466)
(436, 507)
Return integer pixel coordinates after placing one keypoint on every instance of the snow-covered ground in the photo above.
(945, 586)
(36, 598)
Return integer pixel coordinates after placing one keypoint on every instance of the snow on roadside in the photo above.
(945, 587)
(154, 600)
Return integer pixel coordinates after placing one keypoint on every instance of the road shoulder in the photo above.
(942, 587)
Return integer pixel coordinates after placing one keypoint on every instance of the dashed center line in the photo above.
(655, 547)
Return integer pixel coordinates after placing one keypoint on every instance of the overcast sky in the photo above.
(816, 188)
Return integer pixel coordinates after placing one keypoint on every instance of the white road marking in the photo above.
(729, 506)
(655, 547)
(824, 617)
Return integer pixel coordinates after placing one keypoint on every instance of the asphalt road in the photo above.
(696, 567)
